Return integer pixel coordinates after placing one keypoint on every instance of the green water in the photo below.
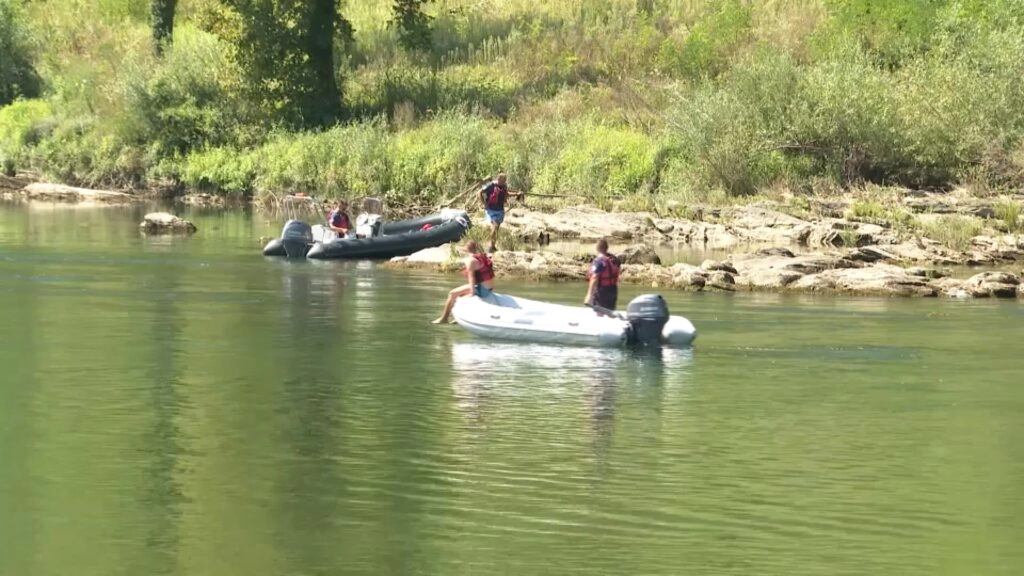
(188, 407)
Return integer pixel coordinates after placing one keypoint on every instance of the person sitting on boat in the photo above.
(603, 289)
(494, 195)
(480, 276)
(339, 220)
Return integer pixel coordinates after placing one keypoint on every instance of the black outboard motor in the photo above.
(297, 237)
(647, 315)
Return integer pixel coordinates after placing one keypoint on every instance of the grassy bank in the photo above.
(616, 102)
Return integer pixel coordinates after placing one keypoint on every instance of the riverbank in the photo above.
(923, 245)
(905, 243)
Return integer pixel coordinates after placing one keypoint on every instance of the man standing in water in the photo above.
(494, 195)
(480, 276)
(603, 289)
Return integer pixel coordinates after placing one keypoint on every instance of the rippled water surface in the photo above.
(186, 406)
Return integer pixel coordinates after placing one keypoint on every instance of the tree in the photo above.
(18, 77)
(413, 24)
(162, 14)
(286, 50)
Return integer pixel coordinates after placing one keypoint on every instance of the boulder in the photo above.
(686, 276)
(869, 254)
(758, 224)
(435, 255)
(713, 266)
(877, 279)
(778, 271)
(721, 280)
(638, 254)
(582, 222)
(992, 284)
(165, 223)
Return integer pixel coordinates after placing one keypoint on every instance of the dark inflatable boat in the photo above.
(297, 237)
(391, 245)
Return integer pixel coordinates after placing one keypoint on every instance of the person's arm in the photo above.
(483, 194)
(471, 266)
(588, 300)
(595, 272)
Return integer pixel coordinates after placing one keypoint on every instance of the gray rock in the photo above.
(992, 284)
(712, 265)
(877, 279)
(638, 254)
(869, 254)
(721, 280)
(165, 223)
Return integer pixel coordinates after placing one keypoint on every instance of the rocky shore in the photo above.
(768, 250)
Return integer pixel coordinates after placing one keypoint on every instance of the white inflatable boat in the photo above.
(645, 323)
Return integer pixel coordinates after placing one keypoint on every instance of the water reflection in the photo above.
(307, 411)
(163, 492)
(488, 375)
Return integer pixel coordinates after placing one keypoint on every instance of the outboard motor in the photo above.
(297, 237)
(647, 315)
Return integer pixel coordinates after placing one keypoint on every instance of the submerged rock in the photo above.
(165, 223)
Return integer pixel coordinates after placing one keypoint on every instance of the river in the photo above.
(185, 406)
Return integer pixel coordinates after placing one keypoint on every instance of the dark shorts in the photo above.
(606, 296)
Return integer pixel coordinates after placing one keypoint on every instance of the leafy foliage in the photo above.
(286, 50)
(18, 76)
(413, 24)
(661, 101)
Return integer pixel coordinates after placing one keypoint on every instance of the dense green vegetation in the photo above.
(663, 99)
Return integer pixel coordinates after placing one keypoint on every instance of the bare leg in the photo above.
(463, 290)
(494, 235)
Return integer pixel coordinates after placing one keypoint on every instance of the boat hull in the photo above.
(389, 246)
(295, 247)
(504, 317)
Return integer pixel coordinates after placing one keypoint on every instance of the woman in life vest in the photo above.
(494, 195)
(339, 220)
(603, 289)
(479, 276)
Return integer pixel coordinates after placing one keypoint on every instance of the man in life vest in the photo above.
(339, 220)
(479, 276)
(494, 195)
(603, 289)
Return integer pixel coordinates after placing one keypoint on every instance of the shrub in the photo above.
(18, 76)
(598, 161)
(21, 126)
(187, 101)
(953, 230)
(1008, 211)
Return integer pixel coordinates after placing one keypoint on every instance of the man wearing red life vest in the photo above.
(494, 195)
(339, 220)
(603, 289)
(479, 276)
